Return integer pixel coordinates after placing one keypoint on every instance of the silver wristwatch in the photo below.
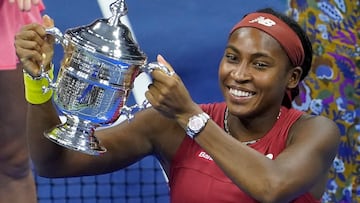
(196, 123)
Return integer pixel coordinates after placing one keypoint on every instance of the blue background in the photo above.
(191, 35)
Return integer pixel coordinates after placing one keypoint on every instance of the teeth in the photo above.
(239, 93)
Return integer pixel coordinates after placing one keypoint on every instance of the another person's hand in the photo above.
(25, 5)
(34, 47)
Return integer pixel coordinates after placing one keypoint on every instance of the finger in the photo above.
(149, 96)
(31, 68)
(35, 2)
(158, 93)
(20, 4)
(27, 5)
(48, 22)
(28, 54)
(161, 95)
(34, 37)
(33, 27)
(11, 1)
(29, 39)
(161, 60)
(153, 89)
(27, 43)
(24, 5)
(29, 65)
(158, 104)
(161, 75)
(155, 100)
(30, 46)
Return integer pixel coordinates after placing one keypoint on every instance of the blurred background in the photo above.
(192, 35)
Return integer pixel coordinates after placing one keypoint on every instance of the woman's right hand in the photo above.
(34, 47)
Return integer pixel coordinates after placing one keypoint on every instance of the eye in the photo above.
(231, 58)
(260, 65)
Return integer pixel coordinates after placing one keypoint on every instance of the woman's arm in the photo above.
(126, 143)
(298, 169)
(301, 166)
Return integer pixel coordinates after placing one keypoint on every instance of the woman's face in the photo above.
(254, 72)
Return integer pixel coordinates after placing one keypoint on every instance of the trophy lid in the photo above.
(109, 37)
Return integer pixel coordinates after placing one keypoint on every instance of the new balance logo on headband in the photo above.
(263, 21)
(282, 32)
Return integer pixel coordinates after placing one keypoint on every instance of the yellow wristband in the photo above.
(33, 88)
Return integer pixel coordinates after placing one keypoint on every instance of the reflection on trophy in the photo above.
(100, 64)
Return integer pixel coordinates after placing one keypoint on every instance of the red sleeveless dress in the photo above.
(195, 178)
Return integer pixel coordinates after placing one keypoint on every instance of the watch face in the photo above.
(196, 124)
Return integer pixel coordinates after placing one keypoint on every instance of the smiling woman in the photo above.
(287, 155)
(330, 89)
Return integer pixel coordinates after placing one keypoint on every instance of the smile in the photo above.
(239, 93)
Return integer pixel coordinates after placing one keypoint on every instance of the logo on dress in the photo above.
(263, 21)
(204, 155)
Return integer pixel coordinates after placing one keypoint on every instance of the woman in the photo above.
(253, 147)
(16, 178)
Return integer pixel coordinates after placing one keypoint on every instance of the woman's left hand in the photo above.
(168, 94)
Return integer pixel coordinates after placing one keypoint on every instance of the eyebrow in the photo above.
(232, 48)
(255, 55)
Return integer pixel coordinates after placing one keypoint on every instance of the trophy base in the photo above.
(79, 137)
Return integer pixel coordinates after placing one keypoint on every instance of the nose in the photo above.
(241, 72)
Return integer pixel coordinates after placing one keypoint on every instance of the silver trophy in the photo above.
(99, 66)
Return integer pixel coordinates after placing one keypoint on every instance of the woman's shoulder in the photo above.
(308, 119)
(316, 120)
(315, 127)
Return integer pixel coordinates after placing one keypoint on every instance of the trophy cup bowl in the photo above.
(97, 72)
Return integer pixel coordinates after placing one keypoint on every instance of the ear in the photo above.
(294, 76)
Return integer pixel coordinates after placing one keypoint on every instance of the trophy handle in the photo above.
(156, 65)
(59, 39)
(129, 111)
